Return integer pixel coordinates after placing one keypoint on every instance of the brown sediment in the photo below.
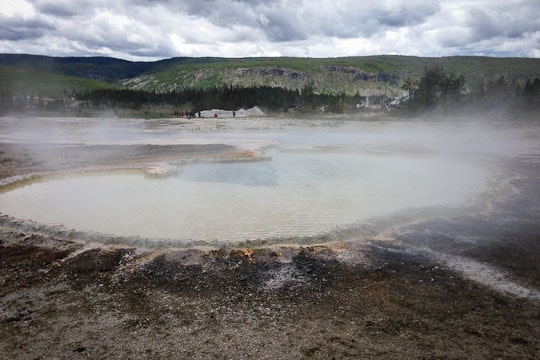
(387, 297)
(21, 159)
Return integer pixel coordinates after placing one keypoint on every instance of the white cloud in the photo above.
(16, 8)
(148, 30)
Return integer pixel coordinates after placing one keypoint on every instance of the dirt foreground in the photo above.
(461, 287)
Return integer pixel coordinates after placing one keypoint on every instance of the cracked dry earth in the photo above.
(419, 294)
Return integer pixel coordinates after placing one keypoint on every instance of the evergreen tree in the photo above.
(435, 86)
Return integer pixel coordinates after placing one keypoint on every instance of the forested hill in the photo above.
(369, 75)
(105, 69)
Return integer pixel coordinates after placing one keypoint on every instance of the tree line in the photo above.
(438, 88)
(272, 99)
(435, 88)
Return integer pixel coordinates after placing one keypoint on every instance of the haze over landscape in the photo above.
(250, 179)
(152, 30)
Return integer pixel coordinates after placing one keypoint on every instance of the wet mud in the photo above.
(448, 287)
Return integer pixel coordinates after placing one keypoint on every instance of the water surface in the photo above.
(300, 192)
(323, 175)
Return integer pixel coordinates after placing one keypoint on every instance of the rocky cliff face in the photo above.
(324, 79)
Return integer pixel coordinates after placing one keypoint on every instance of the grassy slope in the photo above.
(51, 76)
(397, 65)
(204, 72)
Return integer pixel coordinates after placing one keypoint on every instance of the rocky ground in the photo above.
(460, 287)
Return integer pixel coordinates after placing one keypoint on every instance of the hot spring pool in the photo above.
(300, 192)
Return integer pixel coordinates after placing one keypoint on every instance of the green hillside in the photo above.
(368, 75)
(364, 75)
(103, 69)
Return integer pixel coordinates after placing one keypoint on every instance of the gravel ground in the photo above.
(460, 287)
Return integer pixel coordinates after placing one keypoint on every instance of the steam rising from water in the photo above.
(317, 181)
(296, 194)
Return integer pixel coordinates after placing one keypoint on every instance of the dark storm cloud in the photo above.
(280, 27)
(65, 9)
(505, 21)
(21, 29)
(482, 24)
(58, 10)
(163, 28)
(500, 25)
(291, 21)
(408, 13)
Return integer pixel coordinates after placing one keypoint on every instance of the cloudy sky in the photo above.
(151, 30)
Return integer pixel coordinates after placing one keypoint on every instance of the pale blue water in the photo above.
(322, 176)
(298, 193)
